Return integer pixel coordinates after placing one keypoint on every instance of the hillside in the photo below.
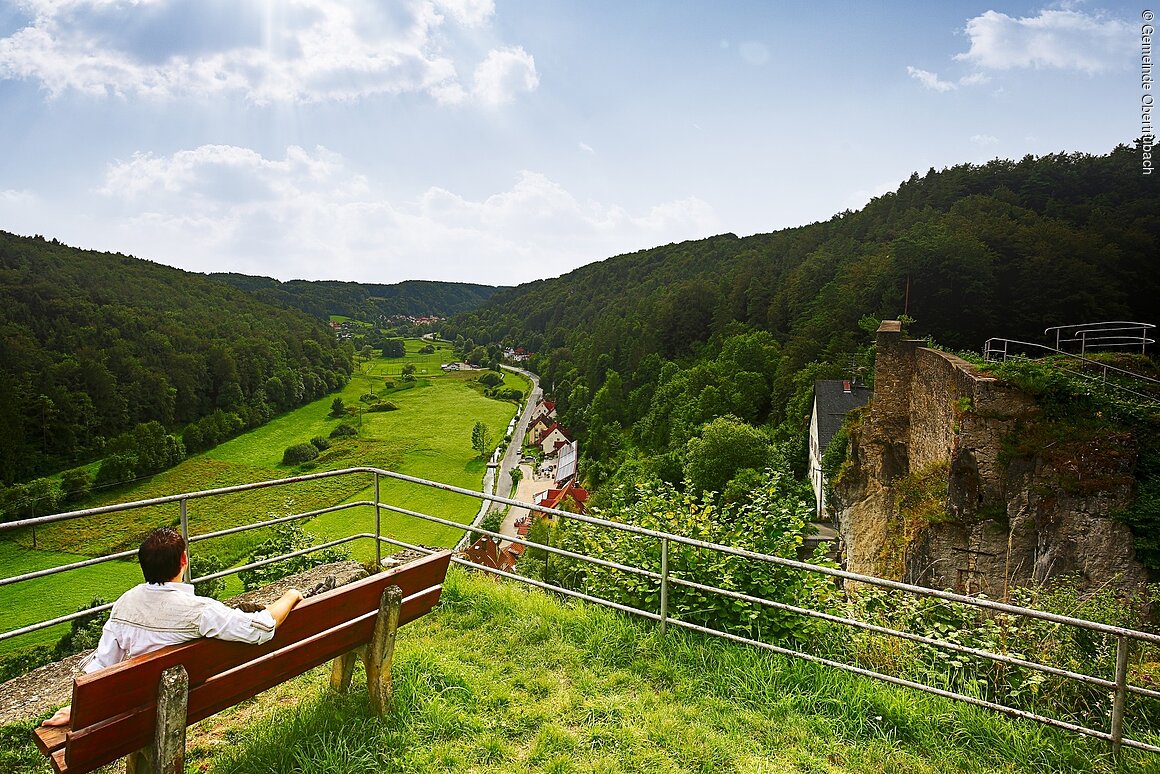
(1000, 249)
(369, 302)
(501, 678)
(1006, 247)
(93, 345)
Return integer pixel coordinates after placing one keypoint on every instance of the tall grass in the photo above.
(501, 678)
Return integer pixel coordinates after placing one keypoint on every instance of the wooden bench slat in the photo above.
(49, 738)
(57, 761)
(133, 683)
(106, 742)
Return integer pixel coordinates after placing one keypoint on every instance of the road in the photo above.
(498, 476)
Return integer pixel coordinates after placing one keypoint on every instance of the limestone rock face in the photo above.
(934, 435)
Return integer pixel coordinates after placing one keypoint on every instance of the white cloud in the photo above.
(1062, 39)
(983, 140)
(586, 148)
(503, 74)
(929, 79)
(294, 51)
(225, 207)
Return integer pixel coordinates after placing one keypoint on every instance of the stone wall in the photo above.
(1003, 521)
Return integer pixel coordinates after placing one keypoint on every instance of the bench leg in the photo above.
(381, 648)
(167, 753)
(342, 669)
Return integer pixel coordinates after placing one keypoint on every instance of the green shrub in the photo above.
(492, 522)
(344, 431)
(84, 632)
(320, 443)
(287, 538)
(509, 393)
(386, 405)
(207, 564)
(299, 453)
(490, 379)
(75, 485)
(117, 469)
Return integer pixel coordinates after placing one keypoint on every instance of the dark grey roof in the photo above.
(833, 403)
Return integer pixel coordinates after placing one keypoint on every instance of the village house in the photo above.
(552, 439)
(561, 498)
(833, 399)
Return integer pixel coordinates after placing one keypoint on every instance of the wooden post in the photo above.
(342, 669)
(381, 648)
(167, 753)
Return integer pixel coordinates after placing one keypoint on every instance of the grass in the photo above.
(429, 436)
(24, 603)
(503, 678)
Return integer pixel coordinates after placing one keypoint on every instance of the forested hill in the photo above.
(413, 298)
(1006, 248)
(1002, 249)
(93, 345)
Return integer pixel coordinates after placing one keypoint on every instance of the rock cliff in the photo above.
(937, 489)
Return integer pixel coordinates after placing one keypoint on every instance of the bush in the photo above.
(84, 632)
(509, 393)
(287, 538)
(344, 431)
(491, 379)
(491, 522)
(117, 469)
(299, 453)
(369, 397)
(75, 485)
(386, 405)
(337, 408)
(207, 564)
(320, 443)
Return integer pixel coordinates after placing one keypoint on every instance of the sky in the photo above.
(503, 141)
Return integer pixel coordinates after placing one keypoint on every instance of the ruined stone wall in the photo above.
(1003, 521)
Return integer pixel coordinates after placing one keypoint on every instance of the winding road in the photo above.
(500, 472)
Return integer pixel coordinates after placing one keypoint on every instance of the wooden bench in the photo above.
(140, 707)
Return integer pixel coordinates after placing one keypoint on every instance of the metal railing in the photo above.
(1001, 350)
(1110, 334)
(1118, 687)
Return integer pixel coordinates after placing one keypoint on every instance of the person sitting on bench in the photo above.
(164, 611)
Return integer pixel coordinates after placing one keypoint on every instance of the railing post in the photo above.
(185, 537)
(664, 584)
(1121, 694)
(378, 526)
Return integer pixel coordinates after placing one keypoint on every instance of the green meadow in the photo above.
(428, 436)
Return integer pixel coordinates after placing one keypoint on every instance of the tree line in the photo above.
(108, 356)
(643, 350)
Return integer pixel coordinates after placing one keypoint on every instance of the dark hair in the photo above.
(160, 554)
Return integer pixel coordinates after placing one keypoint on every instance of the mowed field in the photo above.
(428, 437)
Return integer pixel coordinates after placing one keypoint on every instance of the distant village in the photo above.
(549, 480)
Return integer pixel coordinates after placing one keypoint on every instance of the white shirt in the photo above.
(152, 615)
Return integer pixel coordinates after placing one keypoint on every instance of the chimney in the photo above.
(846, 386)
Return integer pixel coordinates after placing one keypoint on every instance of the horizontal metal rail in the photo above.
(1123, 635)
(1080, 331)
(992, 353)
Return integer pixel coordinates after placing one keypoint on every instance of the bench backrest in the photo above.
(114, 710)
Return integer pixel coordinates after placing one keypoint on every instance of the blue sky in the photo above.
(500, 141)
